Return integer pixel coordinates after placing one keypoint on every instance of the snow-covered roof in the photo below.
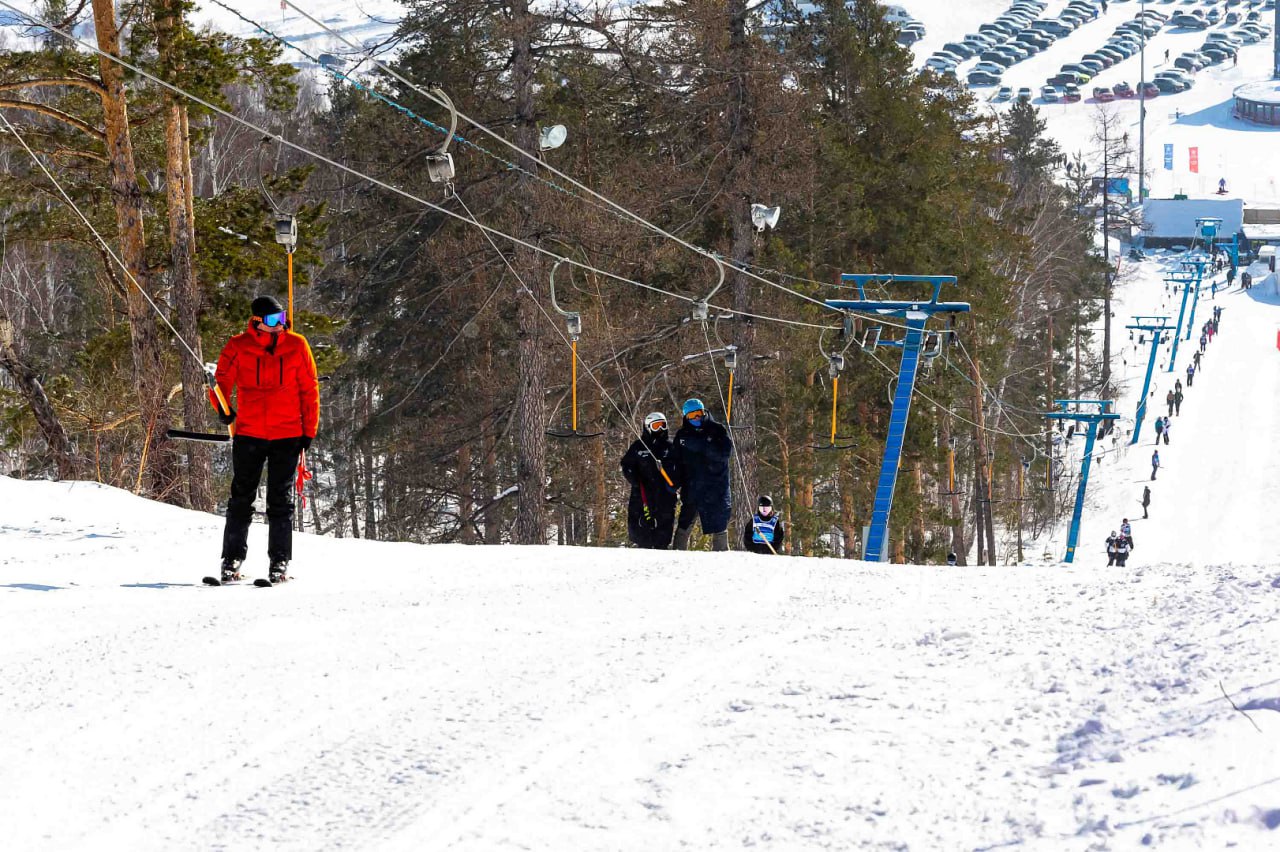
(1168, 218)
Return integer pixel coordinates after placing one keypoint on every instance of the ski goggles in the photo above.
(657, 425)
(696, 415)
(272, 320)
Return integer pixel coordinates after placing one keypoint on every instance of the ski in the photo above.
(214, 581)
(264, 583)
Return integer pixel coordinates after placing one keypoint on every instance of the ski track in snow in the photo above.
(563, 698)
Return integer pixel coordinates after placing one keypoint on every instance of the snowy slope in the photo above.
(409, 697)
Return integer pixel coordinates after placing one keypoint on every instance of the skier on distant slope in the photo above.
(279, 412)
(1111, 548)
(703, 449)
(1168, 398)
(1155, 463)
(1159, 427)
(1123, 546)
(651, 506)
(1146, 500)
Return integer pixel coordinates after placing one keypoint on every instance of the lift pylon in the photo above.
(1092, 419)
(917, 314)
(1157, 326)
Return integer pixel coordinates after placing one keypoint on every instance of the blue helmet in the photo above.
(692, 404)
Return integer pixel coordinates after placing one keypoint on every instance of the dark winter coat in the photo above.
(702, 455)
(758, 531)
(640, 468)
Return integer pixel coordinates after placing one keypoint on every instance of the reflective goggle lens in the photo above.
(657, 425)
(696, 415)
(273, 320)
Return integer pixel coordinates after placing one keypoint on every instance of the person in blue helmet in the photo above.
(703, 449)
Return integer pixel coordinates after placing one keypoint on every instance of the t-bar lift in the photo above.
(1092, 419)
(917, 314)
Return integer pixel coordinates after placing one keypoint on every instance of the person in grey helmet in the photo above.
(703, 450)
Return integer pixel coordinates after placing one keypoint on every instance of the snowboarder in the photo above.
(1166, 431)
(1146, 500)
(765, 531)
(651, 507)
(1155, 463)
(1191, 374)
(1177, 401)
(276, 420)
(1168, 398)
(1159, 427)
(1111, 548)
(703, 448)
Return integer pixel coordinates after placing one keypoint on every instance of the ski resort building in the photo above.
(1258, 103)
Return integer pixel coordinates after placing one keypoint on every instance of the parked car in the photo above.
(1001, 59)
(1214, 16)
(1094, 66)
(1147, 91)
(1187, 63)
(1083, 73)
(1071, 93)
(1114, 54)
(1169, 86)
(1103, 95)
(1024, 93)
(982, 78)
(1050, 94)
(1101, 58)
(1004, 93)
(959, 48)
(990, 68)
(1123, 90)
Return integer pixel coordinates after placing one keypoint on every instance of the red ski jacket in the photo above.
(279, 393)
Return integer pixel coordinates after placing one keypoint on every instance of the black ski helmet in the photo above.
(765, 500)
(264, 305)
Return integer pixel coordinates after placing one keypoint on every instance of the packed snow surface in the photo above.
(398, 696)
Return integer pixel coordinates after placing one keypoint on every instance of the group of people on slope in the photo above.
(1120, 545)
(693, 469)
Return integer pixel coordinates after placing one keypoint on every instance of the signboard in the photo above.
(1168, 156)
(1194, 154)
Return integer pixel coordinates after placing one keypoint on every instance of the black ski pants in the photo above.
(248, 455)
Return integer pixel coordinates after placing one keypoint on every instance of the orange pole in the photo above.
(573, 345)
(835, 395)
(951, 471)
(728, 415)
(290, 256)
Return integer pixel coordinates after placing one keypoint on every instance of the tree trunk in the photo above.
(182, 270)
(32, 390)
(741, 128)
(600, 505)
(957, 515)
(983, 483)
(126, 196)
(366, 453)
(531, 419)
(466, 496)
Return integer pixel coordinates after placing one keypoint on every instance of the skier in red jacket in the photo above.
(275, 418)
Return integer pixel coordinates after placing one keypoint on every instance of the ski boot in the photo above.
(230, 573)
(278, 572)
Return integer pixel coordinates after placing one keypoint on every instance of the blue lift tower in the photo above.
(1197, 265)
(1092, 418)
(917, 314)
(1156, 326)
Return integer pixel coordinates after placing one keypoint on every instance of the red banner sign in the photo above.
(1195, 159)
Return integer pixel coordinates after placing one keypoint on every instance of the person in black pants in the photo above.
(703, 450)
(651, 506)
(273, 376)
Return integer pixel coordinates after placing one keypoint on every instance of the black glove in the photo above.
(304, 442)
(227, 419)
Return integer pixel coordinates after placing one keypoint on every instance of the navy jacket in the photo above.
(703, 459)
